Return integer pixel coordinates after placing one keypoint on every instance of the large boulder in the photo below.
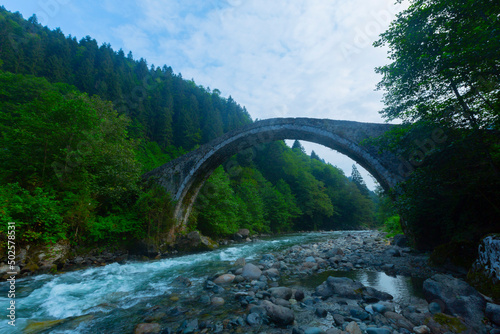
(251, 272)
(459, 298)
(225, 279)
(332, 252)
(400, 240)
(195, 242)
(341, 287)
(55, 254)
(245, 233)
(493, 313)
(485, 273)
(373, 295)
(281, 292)
(280, 315)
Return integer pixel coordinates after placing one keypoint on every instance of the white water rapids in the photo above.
(118, 293)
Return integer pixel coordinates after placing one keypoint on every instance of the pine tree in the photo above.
(358, 180)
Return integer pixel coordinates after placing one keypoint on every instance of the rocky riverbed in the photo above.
(264, 297)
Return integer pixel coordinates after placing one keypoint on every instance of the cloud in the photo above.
(133, 38)
(277, 58)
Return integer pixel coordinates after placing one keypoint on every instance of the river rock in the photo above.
(254, 319)
(280, 315)
(493, 313)
(240, 262)
(340, 286)
(51, 256)
(333, 252)
(375, 330)
(334, 331)
(338, 319)
(272, 273)
(310, 259)
(399, 320)
(244, 232)
(359, 314)
(421, 329)
(488, 262)
(374, 295)
(268, 258)
(380, 308)
(460, 298)
(194, 241)
(251, 272)
(435, 307)
(299, 295)
(31, 267)
(281, 292)
(400, 240)
(217, 301)
(21, 257)
(313, 330)
(182, 281)
(239, 279)
(394, 252)
(281, 302)
(147, 328)
(321, 312)
(353, 328)
(225, 279)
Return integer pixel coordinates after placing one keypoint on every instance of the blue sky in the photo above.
(278, 58)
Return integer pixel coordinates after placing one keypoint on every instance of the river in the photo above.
(113, 298)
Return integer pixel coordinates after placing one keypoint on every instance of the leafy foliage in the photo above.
(275, 188)
(218, 208)
(445, 63)
(443, 83)
(164, 107)
(70, 160)
(37, 214)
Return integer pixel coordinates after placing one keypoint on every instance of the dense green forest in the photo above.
(443, 82)
(80, 123)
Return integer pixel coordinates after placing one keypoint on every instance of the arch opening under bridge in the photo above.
(184, 176)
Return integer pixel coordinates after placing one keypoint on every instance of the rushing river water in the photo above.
(112, 298)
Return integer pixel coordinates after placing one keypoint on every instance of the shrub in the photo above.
(392, 226)
(37, 214)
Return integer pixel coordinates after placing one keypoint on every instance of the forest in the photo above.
(80, 123)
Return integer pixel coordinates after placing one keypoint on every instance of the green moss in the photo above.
(454, 324)
(484, 284)
(459, 253)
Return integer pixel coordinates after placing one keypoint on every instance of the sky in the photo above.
(278, 58)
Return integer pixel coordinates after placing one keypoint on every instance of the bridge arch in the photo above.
(184, 176)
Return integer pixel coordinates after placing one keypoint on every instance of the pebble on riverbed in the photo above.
(252, 298)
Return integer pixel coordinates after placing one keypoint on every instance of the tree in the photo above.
(298, 146)
(315, 156)
(443, 82)
(445, 63)
(359, 182)
(217, 206)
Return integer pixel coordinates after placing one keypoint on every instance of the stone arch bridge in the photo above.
(184, 176)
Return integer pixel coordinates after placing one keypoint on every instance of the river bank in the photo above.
(299, 290)
(332, 282)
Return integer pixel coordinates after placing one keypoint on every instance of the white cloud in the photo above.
(277, 57)
(309, 58)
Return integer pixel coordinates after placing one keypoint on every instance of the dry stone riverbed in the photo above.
(333, 282)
